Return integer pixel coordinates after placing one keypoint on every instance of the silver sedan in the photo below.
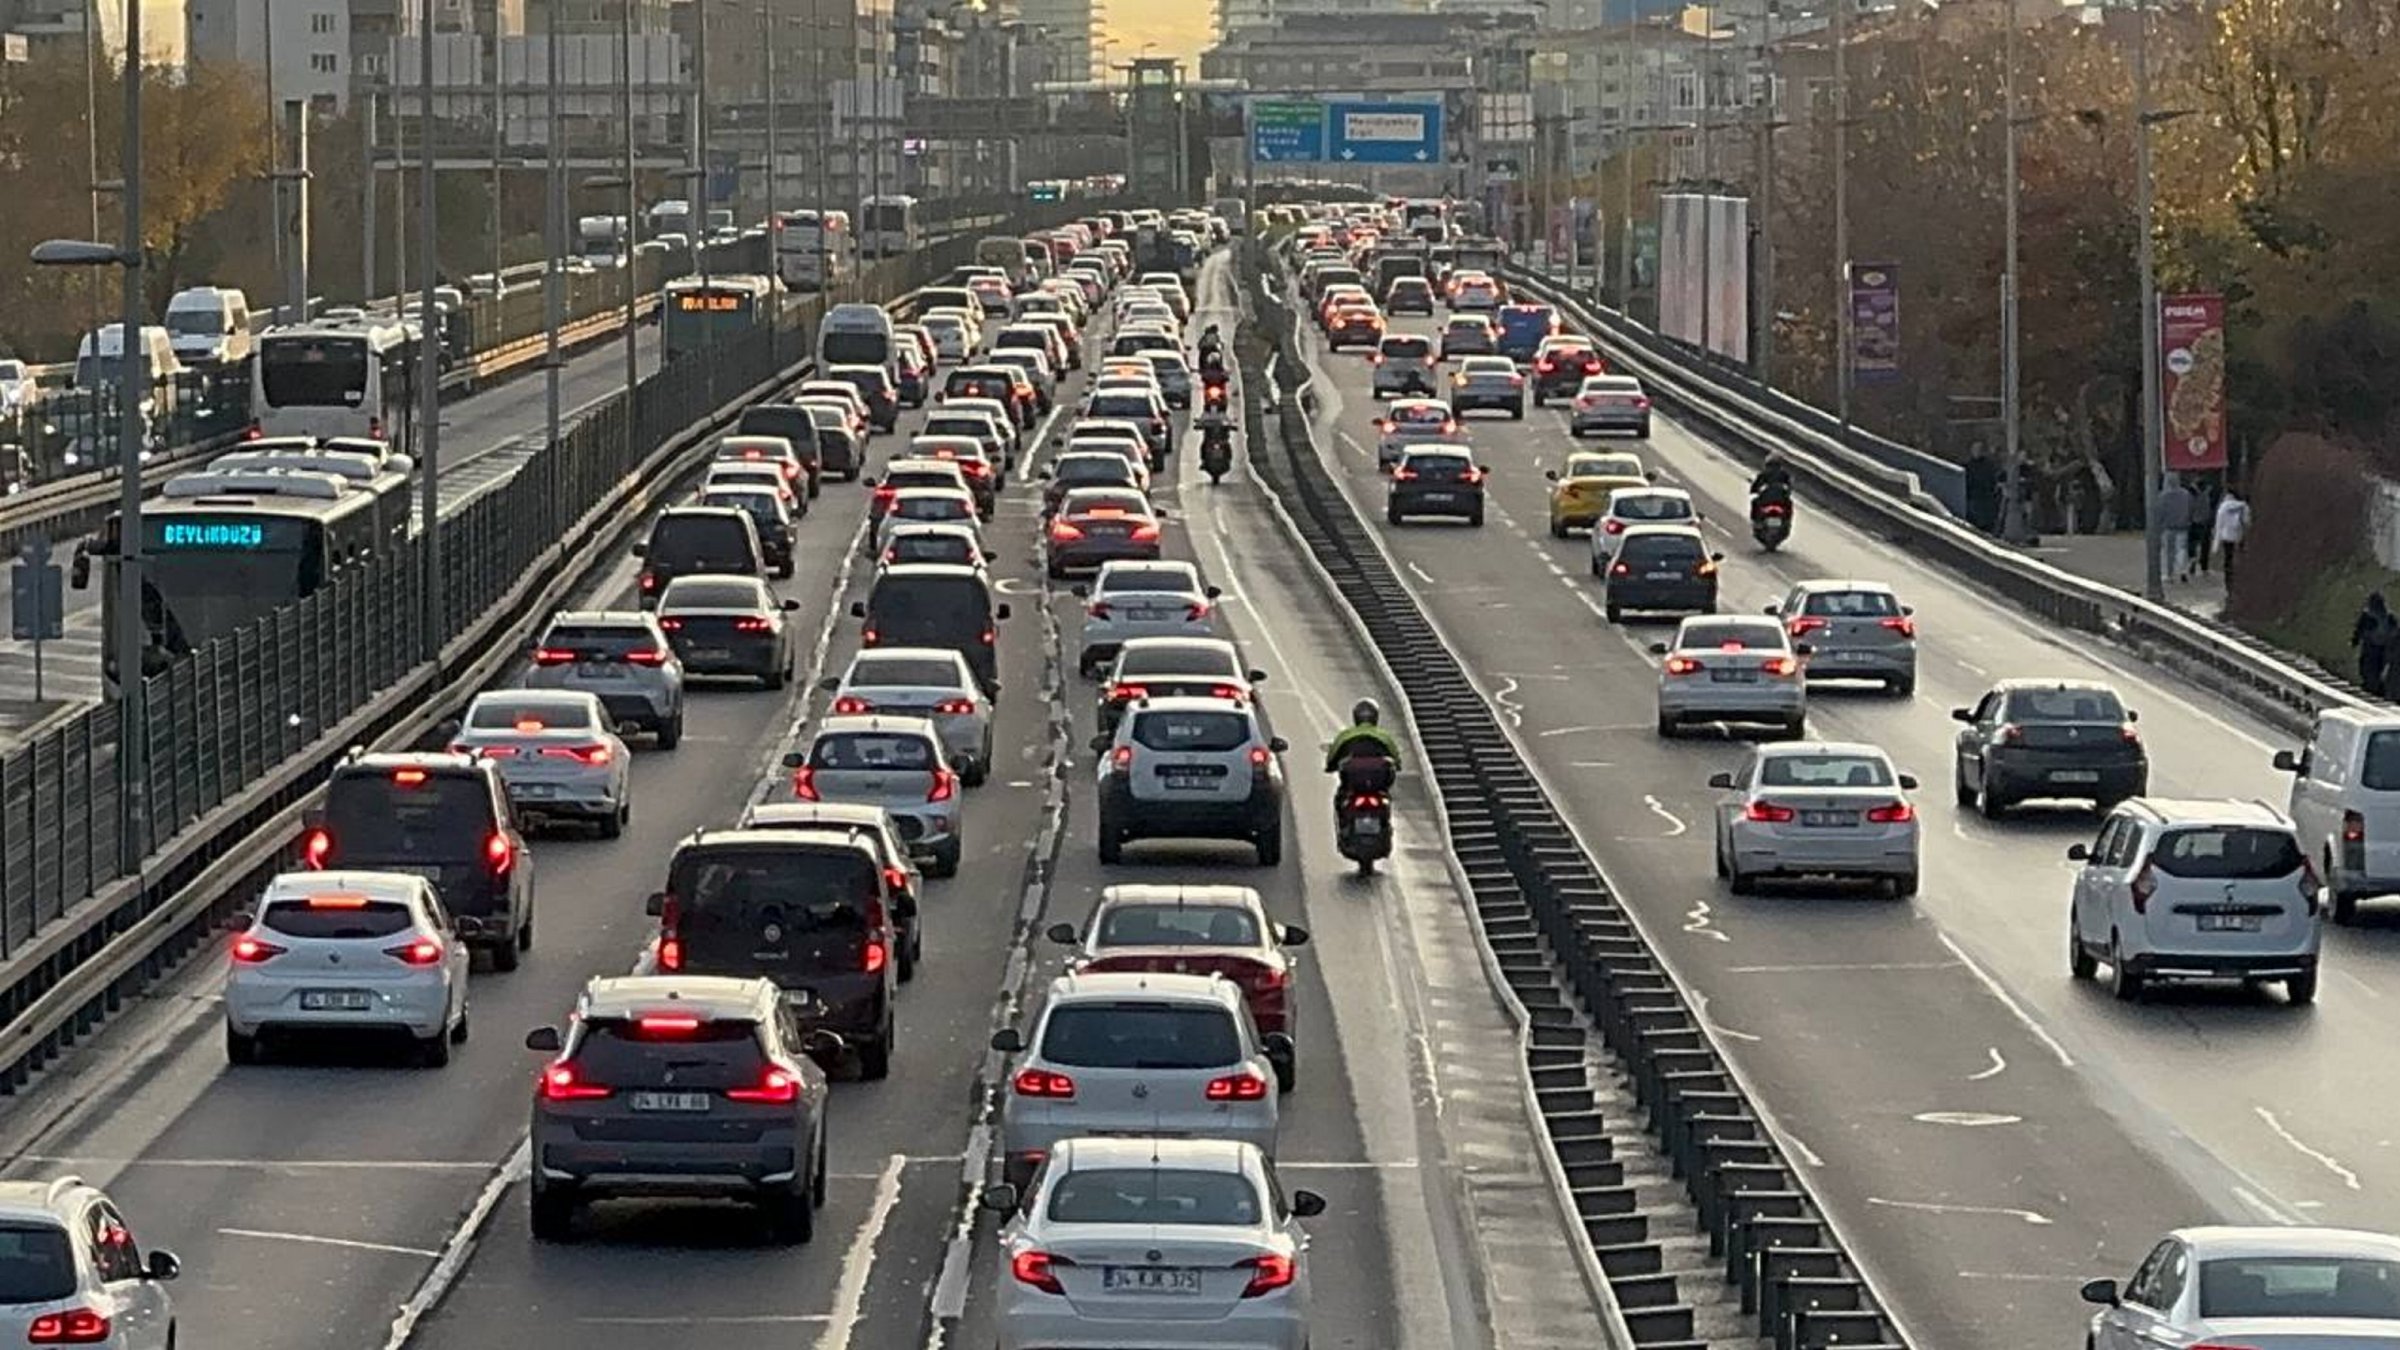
(1141, 599)
(1817, 809)
(1725, 668)
(558, 754)
(2272, 1288)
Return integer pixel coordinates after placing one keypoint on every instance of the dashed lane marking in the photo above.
(859, 1261)
(2033, 1218)
(316, 1240)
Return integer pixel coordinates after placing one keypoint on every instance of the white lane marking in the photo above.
(1352, 442)
(1592, 764)
(314, 1240)
(2034, 1218)
(1999, 1066)
(2356, 983)
(1422, 575)
(1676, 826)
(1505, 697)
(1840, 967)
(1969, 1119)
(1396, 1165)
(859, 1262)
(460, 1245)
(1574, 731)
(2263, 1207)
(753, 1320)
(262, 1164)
(2009, 1001)
(1808, 1156)
(2318, 1156)
(1703, 922)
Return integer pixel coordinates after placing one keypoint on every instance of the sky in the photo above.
(1181, 28)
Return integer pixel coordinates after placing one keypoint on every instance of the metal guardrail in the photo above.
(1556, 929)
(2284, 688)
(245, 729)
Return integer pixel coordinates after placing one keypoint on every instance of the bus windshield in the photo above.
(887, 216)
(314, 372)
(205, 577)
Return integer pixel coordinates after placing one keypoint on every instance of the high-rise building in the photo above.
(302, 48)
(61, 22)
(1071, 33)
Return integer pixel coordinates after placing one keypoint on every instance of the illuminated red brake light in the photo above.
(955, 707)
(776, 1087)
(2142, 888)
(251, 951)
(74, 1326)
(1807, 624)
(945, 786)
(1121, 759)
(1769, 812)
(1043, 1083)
(1902, 624)
(751, 625)
(850, 705)
(560, 1083)
(804, 783)
(1037, 1269)
(316, 848)
(1897, 813)
(498, 853)
(1238, 1087)
(1679, 665)
(1269, 1273)
(646, 656)
(552, 656)
(422, 952)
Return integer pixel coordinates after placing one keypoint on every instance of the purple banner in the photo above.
(1874, 321)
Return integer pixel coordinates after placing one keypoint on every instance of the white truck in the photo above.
(600, 240)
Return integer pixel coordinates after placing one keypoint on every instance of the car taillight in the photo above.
(1236, 1087)
(874, 958)
(1897, 813)
(1098, 609)
(1807, 624)
(1196, 611)
(1121, 759)
(1678, 665)
(251, 951)
(649, 581)
(254, 432)
(751, 625)
(316, 848)
(1043, 1083)
(955, 707)
(1516, 379)
(1375, 358)
(2142, 888)
(73, 1326)
(988, 636)
(2129, 735)
(1259, 758)
(1471, 476)
(671, 625)
(1902, 624)
(1545, 365)
(670, 953)
(1143, 534)
(1126, 693)
(1770, 813)
(945, 786)
(422, 952)
(804, 783)
(776, 1087)
(560, 1083)
(1779, 665)
(2012, 734)
(1037, 1269)
(498, 853)
(551, 656)
(1268, 1273)
(1064, 531)
(1403, 474)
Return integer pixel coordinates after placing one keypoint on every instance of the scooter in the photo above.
(1216, 453)
(1770, 524)
(1363, 830)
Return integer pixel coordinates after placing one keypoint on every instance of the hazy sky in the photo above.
(1179, 27)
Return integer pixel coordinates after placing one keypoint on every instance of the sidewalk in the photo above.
(2116, 560)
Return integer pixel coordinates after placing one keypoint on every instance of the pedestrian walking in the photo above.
(2203, 527)
(2174, 508)
(2372, 633)
(2232, 527)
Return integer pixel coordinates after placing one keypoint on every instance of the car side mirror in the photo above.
(1720, 780)
(1278, 744)
(1658, 649)
(1212, 592)
(1278, 1047)
(1716, 557)
(2079, 853)
(1805, 648)
(825, 1047)
(793, 759)
(1908, 609)
(1649, 475)
(1292, 935)
(1962, 714)
(1551, 474)
(1771, 610)
(544, 1039)
(641, 550)
(2287, 761)
(1307, 1204)
(858, 609)
(789, 606)
(1908, 782)
(1008, 1041)
(2133, 714)
(1001, 611)
(1062, 933)
(1000, 1198)
(830, 684)
(2102, 1292)
(162, 1265)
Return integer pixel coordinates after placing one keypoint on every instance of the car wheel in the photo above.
(239, 1048)
(1964, 795)
(1796, 727)
(1644, 433)
(2122, 981)
(1667, 729)
(977, 770)
(1742, 883)
(2345, 907)
(784, 570)
(2081, 964)
(774, 679)
(1716, 854)
(504, 956)
(1287, 1075)
(612, 825)
(944, 862)
(1270, 845)
(1904, 886)
(670, 732)
(1112, 844)
(818, 1181)
(553, 1213)
(1540, 400)
(433, 1052)
(2301, 989)
(1476, 519)
(1613, 611)
(1905, 688)
(1393, 515)
(1988, 802)
(1517, 413)
(1594, 559)
(908, 958)
(790, 1216)
(875, 1060)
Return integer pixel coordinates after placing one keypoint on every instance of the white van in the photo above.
(2346, 803)
(102, 355)
(855, 335)
(210, 326)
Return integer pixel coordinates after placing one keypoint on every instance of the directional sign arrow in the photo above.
(1349, 154)
(1420, 156)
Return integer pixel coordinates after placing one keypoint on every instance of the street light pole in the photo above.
(429, 354)
(1841, 209)
(2010, 428)
(1625, 140)
(554, 193)
(1762, 345)
(1708, 178)
(633, 356)
(133, 702)
(768, 33)
(2154, 582)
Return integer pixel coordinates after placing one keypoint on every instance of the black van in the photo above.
(443, 817)
(808, 909)
(793, 423)
(937, 605)
(688, 540)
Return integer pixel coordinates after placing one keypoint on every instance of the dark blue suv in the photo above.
(1522, 328)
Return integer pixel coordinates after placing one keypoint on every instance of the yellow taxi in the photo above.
(1581, 487)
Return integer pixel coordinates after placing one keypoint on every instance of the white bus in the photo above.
(355, 379)
(815, 250)
(888, 227)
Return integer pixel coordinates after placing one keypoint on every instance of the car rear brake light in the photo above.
(1678, 665)
(498, 853)
(422, 952)
(850, 705)
(1545, 365)
(72, 1326)
(1143, 534)
(1231, 691)
(776, 1087)
(2129, 734)
(1044, 1083)
(1770, 813)
(1121, 758)
(1780, 665)
(1896, 813)
(1259, 758)
(1268, 1273)
(1403, 474)
(1064, 531)
(552, 656)
(1807, 624)
(316, 848)
(671, 625)
(409, 777)
(337, 902)
(1902, 624)
(1196, 611)
(2142, 888)
(649, 581)
(251, 951)
(646, 656)
(667, 1026)
(945, 786)
(804, 783)
(560, 1083)
(1038, 1269)
(1098, 609)
(2012, 734)
(1127, 693)
(583, 754)
(1236, 1087)
(1612, 526)
(751, 625)
(670, 953)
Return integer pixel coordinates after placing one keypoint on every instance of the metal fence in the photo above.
(227, 716)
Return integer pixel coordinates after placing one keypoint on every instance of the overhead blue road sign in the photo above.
(1287, 131)
(1384, 133)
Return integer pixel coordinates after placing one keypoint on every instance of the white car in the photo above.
(348, 952)
(2196, 890)
(1629, 507)
(897, 763)
(934, 683)
(948, 506)
(1818, 809)
(730, 473)
(1731, 668)
(933, 541)
(956, 335)
(558, 753)
(1141, 599)
(1121, 1239)
(75, 1274)
(1413, 421)
(2264, 1288)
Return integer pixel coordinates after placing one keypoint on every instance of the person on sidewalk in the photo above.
(2202, 531)
(2232, 527)
(2174, 507)
(2372, 633)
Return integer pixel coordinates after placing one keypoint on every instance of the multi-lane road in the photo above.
(354, 1202)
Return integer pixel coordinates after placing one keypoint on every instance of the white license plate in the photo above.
(599, 670)
(335, 1000)
(1368, 825)
(1439, 497)
(1664, 576)
(1829, 818)
(670, 1101)
(2229, 923)
(1852, 656)
(2074, 775)
(1150, 1279)
(1185, 782)
(711, 654)
(535, 790)
(1734, 676)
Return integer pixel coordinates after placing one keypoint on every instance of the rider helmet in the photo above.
(1365, 713)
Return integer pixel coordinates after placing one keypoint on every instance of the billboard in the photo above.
(1704, 272)
(2191, 360)
(1874, 322)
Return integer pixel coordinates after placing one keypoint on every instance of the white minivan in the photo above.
(2346, 803)
(210, 326)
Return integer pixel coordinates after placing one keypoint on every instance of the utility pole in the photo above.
(554, 235)
(266, 19)
(2154, 581)
(366, 214)
(499, 132)
(132, 635)
(1762, 345)
(1708, 179)
(633, 356)
(429, 356)
(1841, 209)
(2011, 526)
(769, 31)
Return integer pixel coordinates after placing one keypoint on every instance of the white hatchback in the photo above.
(897, 763)
(1635, 506)
(934, 683)
(1141, 599)
(348, 953)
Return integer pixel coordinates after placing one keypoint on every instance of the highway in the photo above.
(1985, 1133)
(485, 437)
(311, 1200)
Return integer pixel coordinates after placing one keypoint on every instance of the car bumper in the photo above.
(1032, 1320)
(1213, 818)
(1608, 421)
(732, 658)
(1090, 553)
(1778, 702)
(1854, 851)
(922, 828)
(630, 1167)
(2228, 966)
(1465, 402)
(2073, 782)
(1462, 502)
(1862, 663)
(598, 798)
(419, 1007)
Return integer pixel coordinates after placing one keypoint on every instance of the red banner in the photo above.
(2191, 359)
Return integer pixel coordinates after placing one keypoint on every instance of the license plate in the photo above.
(432, 874)
(535, 790)
(1150, 1279)
(1185, 782)
(1734, 676)
(2229, 923)
(1829, 818)
(335, 1000)
(1368, 825)
(598, 670)
(711, 653)
(1664, 576)
(2074, 775)
(1852, 656)
(670, 1101)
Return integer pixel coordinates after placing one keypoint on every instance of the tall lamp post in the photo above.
(1843, 339)
(429, 353)
(610, 182)
(554, 218)
(2010, 428)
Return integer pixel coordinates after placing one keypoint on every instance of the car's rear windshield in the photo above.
(715, 1053)
(1853, 604)
(1766, 637)
(810, 890)
(2381, 771)
(904, 670)
(1178, 926)
(1604, 466)
(1663, 548)
(870, 750)
(920, 478)
(1135, 406)
(37, 1263)
(1147, 579)
(1442, 466)
(1195, 730)
(2064, 705)
(1155, 1195)
(1637, 506)
(1421, 415)
(700, 541)
(1406, 346)
(932, 506)
(1824, 771)
(868, 379)
(1122, 503)
(1140, 1035)
(1094, 467)
(793, 424)
(2227, 853)
(931, 546)
(710, 594)
(1175, 659)
(531, 714)
(961, 601)
(598, 639)
(408, 813)
(336, 917)
(2293, 1287)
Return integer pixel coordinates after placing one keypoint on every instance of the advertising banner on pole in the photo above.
(2191, 361)
(1874, 322)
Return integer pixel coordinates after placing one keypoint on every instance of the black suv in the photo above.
(443, 817)
(689, 540)
(809, 909)
(793, 423)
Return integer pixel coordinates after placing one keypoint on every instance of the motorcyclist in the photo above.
(1771, 486)
(1365, 757)
(1212, 354)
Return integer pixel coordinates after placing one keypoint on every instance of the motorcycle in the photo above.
(1215, 398)
(1770, 524)
(1362, 817)
(1216, 452)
